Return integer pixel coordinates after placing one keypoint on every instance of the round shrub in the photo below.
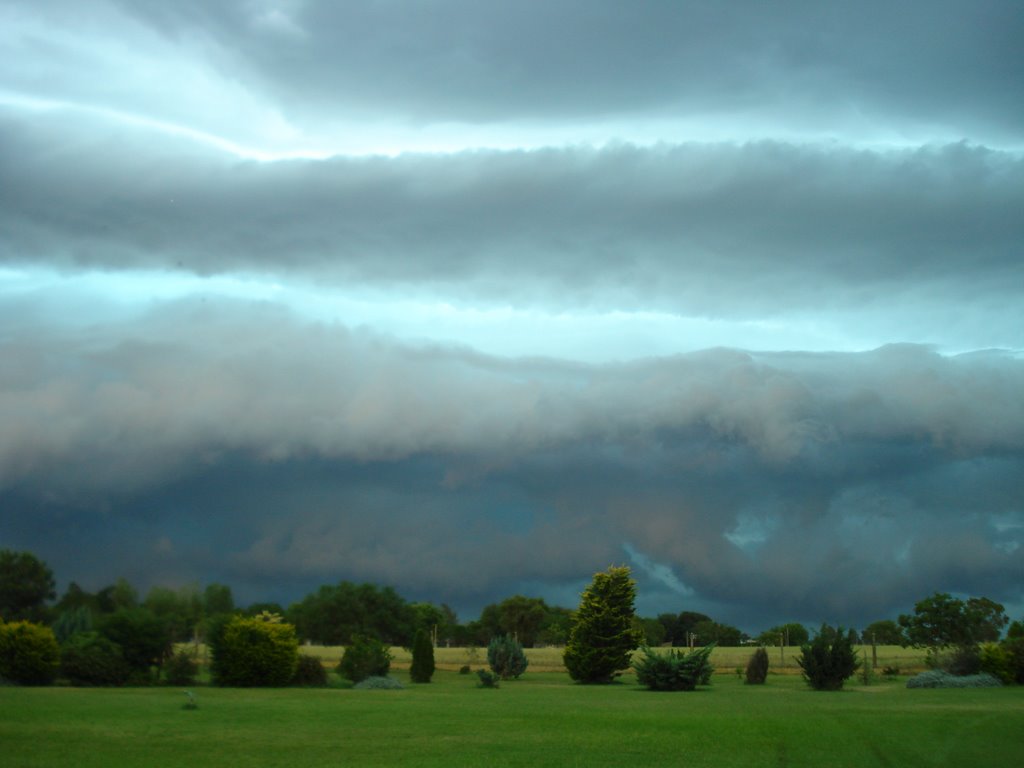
(364, 657)
(829, 660)
(674, 670)
(506, 658)
(258, 651)
(181, 669)
(309, 672)
(378, 683)
(29, 654)
(88, 658)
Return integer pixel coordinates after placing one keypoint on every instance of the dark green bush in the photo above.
(464, 669)
(365, 657)
(258, 651)
(487, 679)
(88, 658)
(144, 639)
(757, 667)
(1014, 647)
(674, 670)
(828, 660)
(506, 658)
(29, 654)
(309, 672)
(181, 668)
(422, 668)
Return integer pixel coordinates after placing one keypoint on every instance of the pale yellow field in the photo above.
(725, 660)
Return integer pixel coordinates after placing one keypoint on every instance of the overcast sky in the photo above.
(476, 299)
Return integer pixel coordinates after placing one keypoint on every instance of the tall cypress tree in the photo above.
(422, 668)
(603, 637)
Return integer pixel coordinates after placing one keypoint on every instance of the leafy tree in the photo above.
(334, 615)
(522, 617)
(143, 638)
(506, 658)
(674, 670)
(180, 610)
(217, 600)
(88, 658)
(72, 621)
(651, 630)
(258, 651)
(885, 632)
(1016, 629)
(602, 637)
(422, 668)
(181, 669)
(790, 634)
(364, 657)
(29, 654)
(119, 595)
(713, 633)
(673, 632)
(829, 660)
(555, 628)
(26, 584)
(942, 621)
(757, 667)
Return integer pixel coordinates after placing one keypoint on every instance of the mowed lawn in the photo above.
(540, 720)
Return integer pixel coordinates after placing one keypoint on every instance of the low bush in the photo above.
(29, 654)
(828, 660)
(258, 651)
(674, 670)
(506, 658)
(487, 679)
(181, 668)
(88, 659)
(364, 657)
(757, 667)
(464, 669)
(309, 672)
(378, 683)
(937, 678)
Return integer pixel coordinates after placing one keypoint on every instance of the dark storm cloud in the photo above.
(700, 229)
(947, 63)
(829, 485)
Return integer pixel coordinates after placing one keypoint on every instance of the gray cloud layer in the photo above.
(720, 230)
(829, 484)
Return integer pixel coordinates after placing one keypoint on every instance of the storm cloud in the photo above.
(475, 299)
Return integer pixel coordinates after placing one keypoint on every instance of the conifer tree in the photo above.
(603, 636)
(422, 668)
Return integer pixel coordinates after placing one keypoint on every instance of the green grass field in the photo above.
(540, 720)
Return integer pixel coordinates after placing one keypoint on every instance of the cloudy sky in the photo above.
(474, 299)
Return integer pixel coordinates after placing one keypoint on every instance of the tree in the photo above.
(522, 617)
(943, 621)
(505, 657)
(26, 584)
(713, 633)
(651, 630)
(422, 668)
(829, 660)
(885, 632)
(144, 639)
(785, 634)
(757, 667)
(217, 600)
(603, 638)
(333, 615)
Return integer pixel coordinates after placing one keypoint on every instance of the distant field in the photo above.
(541, 720)
(725, 660)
